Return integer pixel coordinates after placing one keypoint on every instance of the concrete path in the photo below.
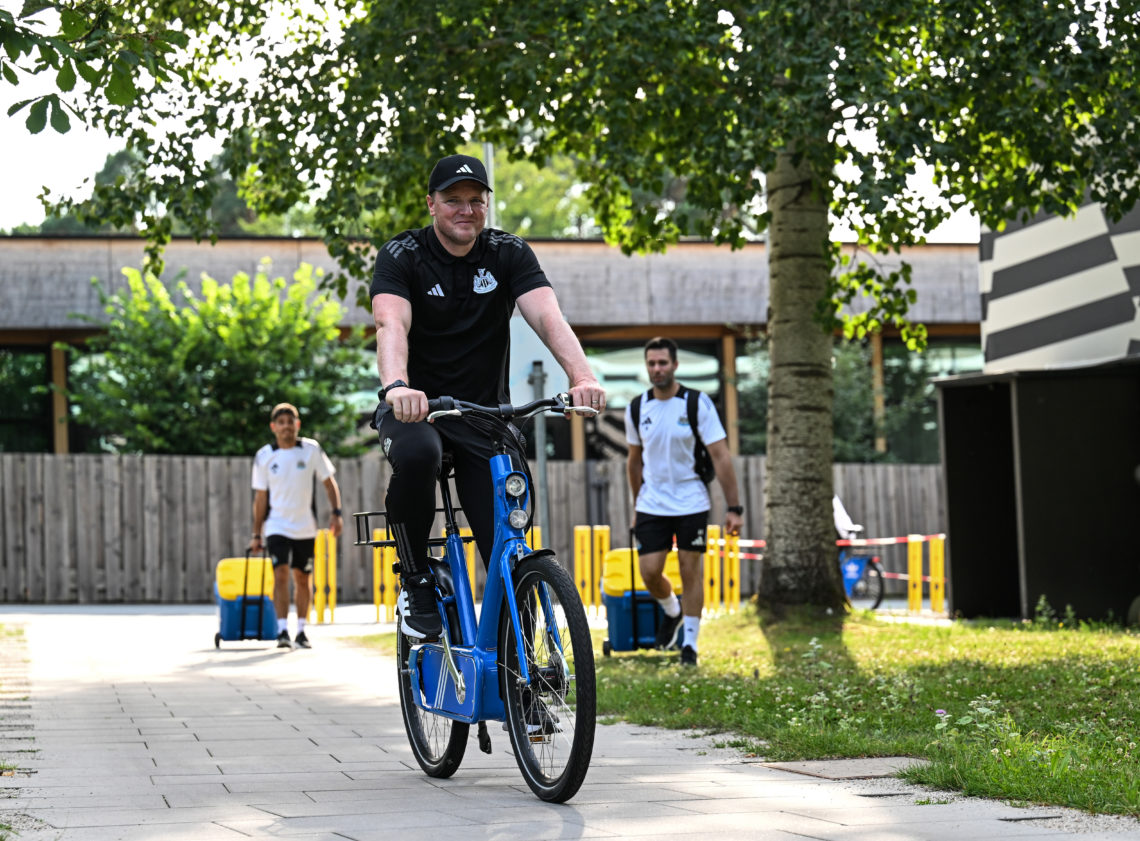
(126, 723)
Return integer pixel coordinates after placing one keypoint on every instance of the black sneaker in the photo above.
(302, 641)
(419, 613)
(688, 656)
(283, 640)
(667, 632)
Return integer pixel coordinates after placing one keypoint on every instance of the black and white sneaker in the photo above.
(688, 656)
(667, 632)
(418, 610)
(301, 641)
(283, 640)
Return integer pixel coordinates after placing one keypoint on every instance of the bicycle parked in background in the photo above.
(526, 659)
(862, 573)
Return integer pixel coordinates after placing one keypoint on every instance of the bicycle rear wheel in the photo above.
(550, 718)
(437, 741)
(869, 587)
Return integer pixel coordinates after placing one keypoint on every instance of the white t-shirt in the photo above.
(288, 476)
(669, 484)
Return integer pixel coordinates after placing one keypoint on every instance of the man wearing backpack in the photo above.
(676, 440)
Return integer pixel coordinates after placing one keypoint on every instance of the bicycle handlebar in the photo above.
(439, 407)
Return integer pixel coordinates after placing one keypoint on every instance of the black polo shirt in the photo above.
(460, 339)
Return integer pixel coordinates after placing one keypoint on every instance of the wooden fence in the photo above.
(121, 529)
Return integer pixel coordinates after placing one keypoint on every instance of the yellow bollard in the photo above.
(712, 568)
(534, 539)
(377, 587)
(601, 547)
(732, 572)
(391, 581)
(938, 574)
(469, 551)
(317, 600)
(330, 574)
(582, 563)
(914, 573)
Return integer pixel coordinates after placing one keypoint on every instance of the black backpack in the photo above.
(702, 461)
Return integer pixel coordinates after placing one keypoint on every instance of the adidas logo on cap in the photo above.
(456, 168)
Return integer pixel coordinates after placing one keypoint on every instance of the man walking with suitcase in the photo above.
(285, 475)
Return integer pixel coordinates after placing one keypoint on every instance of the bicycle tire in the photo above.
(554, 746)
(870, 584)
(438, 742)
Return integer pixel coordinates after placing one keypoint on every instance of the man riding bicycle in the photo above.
(442, 299)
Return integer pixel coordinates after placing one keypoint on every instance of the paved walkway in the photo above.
(129, 724)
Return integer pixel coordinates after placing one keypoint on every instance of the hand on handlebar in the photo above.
(588, 395)
(408, 405)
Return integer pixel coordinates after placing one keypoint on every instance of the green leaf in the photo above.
(59, 119)
(91, 74)
(121, 87)
(72, 25)
(37, 117)
(65, 79)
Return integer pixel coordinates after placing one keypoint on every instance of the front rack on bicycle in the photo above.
(364, 530)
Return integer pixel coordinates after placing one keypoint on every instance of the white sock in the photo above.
(300, 625)
(282, 625)
(671, 605)
(692, 625)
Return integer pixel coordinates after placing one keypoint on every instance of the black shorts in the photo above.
(296, 552)
(655, 532)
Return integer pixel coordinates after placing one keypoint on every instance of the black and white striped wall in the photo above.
(1059, 292)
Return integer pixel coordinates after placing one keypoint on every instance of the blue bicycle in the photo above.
(526, 659)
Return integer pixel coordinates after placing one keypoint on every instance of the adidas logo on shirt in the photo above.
(436, 291)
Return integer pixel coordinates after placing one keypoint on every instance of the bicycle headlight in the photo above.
(517, 518)
(516, 485)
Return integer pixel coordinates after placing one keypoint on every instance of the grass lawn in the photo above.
(1041, 712)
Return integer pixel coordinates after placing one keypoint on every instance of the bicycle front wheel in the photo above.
(550, 717)
(870, 585)
(437, 741)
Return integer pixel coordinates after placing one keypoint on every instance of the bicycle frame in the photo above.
(852, 566)
(461, 680)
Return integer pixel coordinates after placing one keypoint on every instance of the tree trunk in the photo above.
(800, 566)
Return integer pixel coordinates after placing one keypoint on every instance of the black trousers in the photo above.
(415, 451)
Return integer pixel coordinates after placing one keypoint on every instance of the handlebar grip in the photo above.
(440, 404)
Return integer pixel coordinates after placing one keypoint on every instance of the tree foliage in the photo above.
(782, 114)
(201, 378)
(116, 49)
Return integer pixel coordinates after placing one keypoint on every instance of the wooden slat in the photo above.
(239, 471)
(352, 577)
(134, 522)
(57, 525)
(85, 548)
(34, 513)
(219, 521)
(111, 516)
(172, 551)
(152, 544)
(13, 493)
(199, 564)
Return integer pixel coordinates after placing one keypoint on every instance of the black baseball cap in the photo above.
(456, 168)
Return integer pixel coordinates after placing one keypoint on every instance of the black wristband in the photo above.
(336, 512)
(397, 384)
(735, 509)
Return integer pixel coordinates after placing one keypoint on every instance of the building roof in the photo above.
(45, 281)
